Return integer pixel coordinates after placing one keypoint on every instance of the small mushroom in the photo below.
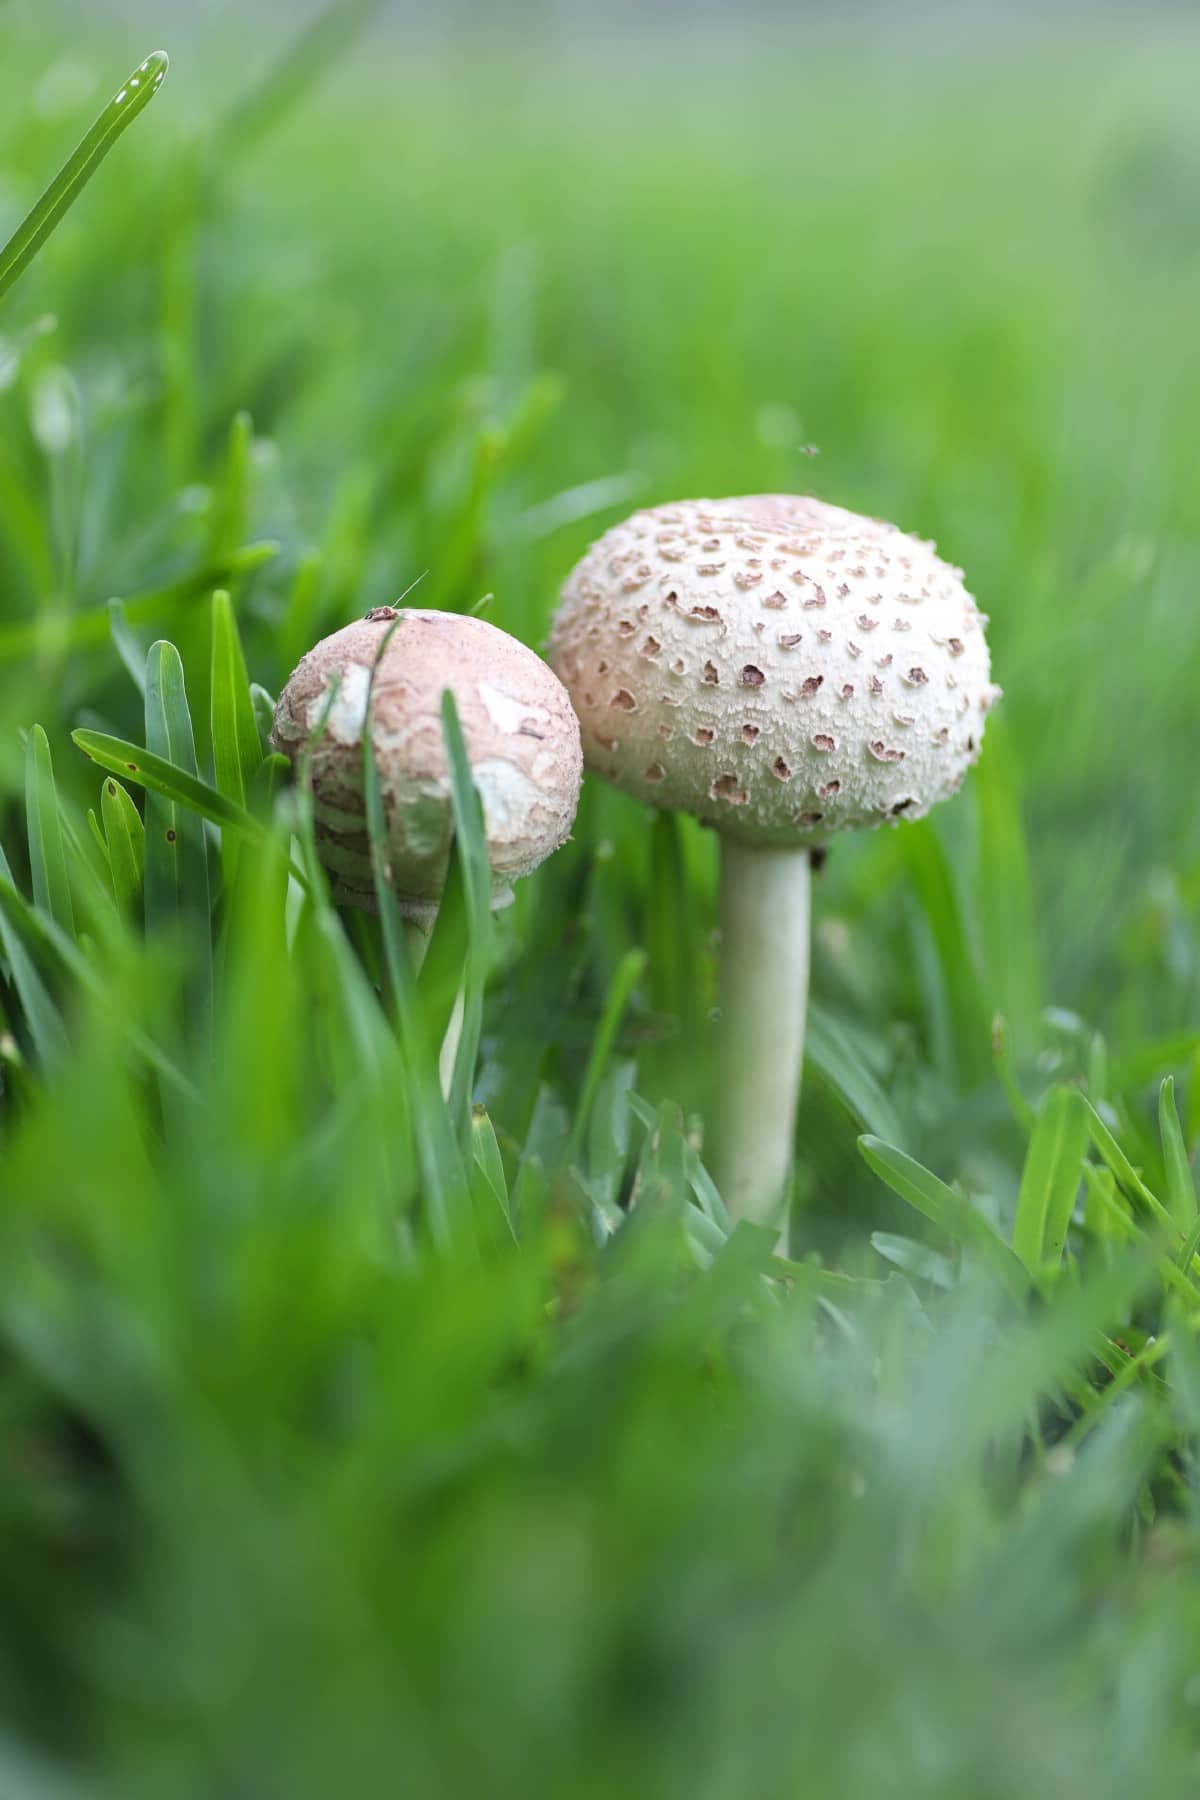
(521, 736)
(738, 725)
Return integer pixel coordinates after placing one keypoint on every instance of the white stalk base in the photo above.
(764, 913)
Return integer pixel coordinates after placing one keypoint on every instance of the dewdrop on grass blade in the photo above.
(783, 670)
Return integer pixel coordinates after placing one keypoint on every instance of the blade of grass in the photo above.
(1172, 1274)
(47, 858)
(471, 850)
(90, 877)
(703, 1187)
(1050, 1179)
(1021, 1110)
(237, 749)
(98, 837)
(159, 776)
(263, 705)
(1181, 1189)
(1004, 900)
(1123, 1378)
(310, 57)
(348, 990)
(131, 98)
(626, 976)
(231, 500)
(295, 630)
(962, 1043)
(41, 1014)
(50, 946)
(1190, 1247)
(439, 977)
(176, 885)
(945, 1209)
(125, 839)
(914, 1258)
(237, 752)
(487, 1167)
(1127, 1177)
(126, 645)
(830, 1053)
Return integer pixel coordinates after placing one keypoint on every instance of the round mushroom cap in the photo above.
(779, 667)
(521, 735)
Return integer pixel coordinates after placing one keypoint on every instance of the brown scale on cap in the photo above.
(521, 734)
(705, 558)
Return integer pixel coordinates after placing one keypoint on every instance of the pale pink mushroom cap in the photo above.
(521, 736)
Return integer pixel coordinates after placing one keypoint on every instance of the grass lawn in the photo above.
(357, 1443)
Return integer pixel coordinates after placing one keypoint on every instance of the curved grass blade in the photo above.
(88, 872)
(349, 992)
(1190, 1247)
(945, 1209)
(125, 839)
(272, 777)
(45, 1023)
(231, 499)
(132, 98)
(831, 1053)
(263, 705)
(126, 645)
(159, 776)
(237, 749)
(311, 55)
(1181, 1189)
(1127, 1176)
(296, 630)
(98, 837)
(44, 941)
(959, 1018)
(625, 978)
(1004, 896)
(47, 857)
(1101, 1190)
(470, 846)
(914, 1258)
(703, 1187)
(1050, 1179)
(176, 888)
(489, 1187)
(439, 978)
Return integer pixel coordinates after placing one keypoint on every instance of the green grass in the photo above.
(353, 1443)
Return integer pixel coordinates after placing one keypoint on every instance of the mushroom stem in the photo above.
(764, 911)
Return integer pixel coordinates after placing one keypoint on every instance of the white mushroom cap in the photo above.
(779, 667)
(521, 735)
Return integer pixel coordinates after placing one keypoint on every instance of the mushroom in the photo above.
(783, 670)
(521, 735)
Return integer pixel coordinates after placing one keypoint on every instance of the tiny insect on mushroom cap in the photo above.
(521, 736)
(777, 666)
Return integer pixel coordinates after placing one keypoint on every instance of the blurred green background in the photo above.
(400, 299)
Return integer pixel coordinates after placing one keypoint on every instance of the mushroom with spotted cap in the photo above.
(783, 670)
(521, 736)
